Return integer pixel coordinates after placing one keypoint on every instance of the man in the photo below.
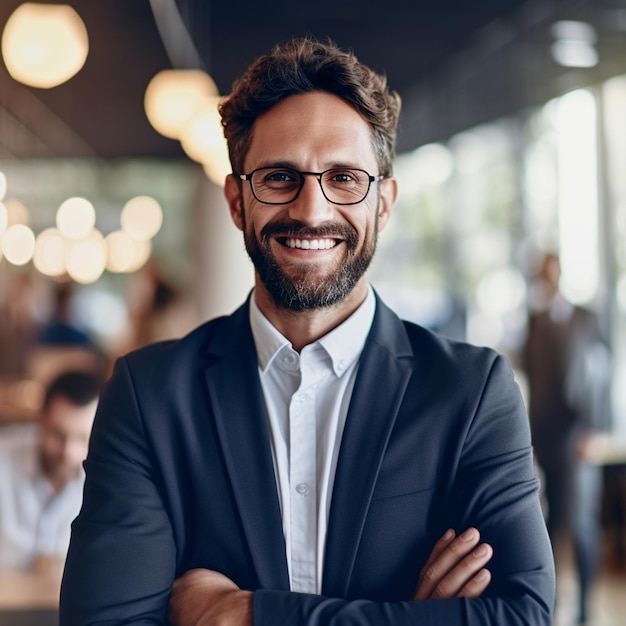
(41, 483)
(567, 364)
(300, 461)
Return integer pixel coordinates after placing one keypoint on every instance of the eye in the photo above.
(342, 176)
(280, 177)
(345, 179)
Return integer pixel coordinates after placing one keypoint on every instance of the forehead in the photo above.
(311, 130)
(63, 415)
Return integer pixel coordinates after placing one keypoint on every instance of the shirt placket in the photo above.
(303, 484)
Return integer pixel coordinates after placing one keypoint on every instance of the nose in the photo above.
(311, 206)
(74, 451)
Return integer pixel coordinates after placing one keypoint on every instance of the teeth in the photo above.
(311, 244)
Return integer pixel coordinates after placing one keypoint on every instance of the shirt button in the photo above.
(303, 489)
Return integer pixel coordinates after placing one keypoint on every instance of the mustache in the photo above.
(331, 230)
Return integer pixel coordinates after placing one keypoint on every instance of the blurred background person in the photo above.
(61, 344)
(566, 361)
(41, 477)
(60, 328)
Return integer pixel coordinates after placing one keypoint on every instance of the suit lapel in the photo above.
(237, 402)
(378, 392)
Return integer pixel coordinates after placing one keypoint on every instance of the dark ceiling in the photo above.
(99, 112)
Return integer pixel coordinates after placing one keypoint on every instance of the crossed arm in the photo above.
(455, 568)
(127, 545)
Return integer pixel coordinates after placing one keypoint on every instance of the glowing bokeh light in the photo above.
(125, 254)
(142, 217)
(18, 244)
(3, 186)
(174, 96)
(203, 134)
(86, 258)
(50, 250)
(44, 45)
(76, 217)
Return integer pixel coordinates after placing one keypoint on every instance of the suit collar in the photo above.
(237, 403)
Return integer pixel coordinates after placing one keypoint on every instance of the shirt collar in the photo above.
(343, 344)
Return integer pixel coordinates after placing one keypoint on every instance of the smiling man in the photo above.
(311, 459)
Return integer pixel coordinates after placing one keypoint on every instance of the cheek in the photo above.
(51, 445)
(364, 223)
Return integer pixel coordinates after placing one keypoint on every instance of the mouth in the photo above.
(325, 243)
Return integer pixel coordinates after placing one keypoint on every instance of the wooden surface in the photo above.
(36, 589)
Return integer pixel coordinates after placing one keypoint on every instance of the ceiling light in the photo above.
(203, 133)
(142, 217)
(18, 244)
(574, 44)
(50, 249)
(203, 140)
(44, 45)
(76, 217)
(86, 258)
(574, 53)
(125, 254)
(174, 96)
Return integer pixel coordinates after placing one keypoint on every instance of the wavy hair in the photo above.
(304, 65)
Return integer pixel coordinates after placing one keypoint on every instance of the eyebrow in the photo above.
(330, 166)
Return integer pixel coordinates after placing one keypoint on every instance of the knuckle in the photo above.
(429, 574)
(443, 590)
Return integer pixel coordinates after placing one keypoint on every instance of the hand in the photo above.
(202, 597)
(455, 568)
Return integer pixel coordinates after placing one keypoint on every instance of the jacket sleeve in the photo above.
(493, 488)
(121, 561)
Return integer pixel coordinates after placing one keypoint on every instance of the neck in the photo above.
(302, 328)
(56, 480)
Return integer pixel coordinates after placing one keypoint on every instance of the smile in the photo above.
(308, 244)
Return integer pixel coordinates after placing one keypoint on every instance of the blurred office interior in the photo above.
(512, 143)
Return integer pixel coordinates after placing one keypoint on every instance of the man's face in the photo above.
(311, 132)
(65, 430)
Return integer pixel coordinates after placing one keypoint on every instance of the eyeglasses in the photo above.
(282, 185)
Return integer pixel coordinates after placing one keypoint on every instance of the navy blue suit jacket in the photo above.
(180, 475)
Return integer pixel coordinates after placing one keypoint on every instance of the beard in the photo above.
(301, 288)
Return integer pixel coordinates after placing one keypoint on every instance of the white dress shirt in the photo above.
(307, 396)
(34, 520)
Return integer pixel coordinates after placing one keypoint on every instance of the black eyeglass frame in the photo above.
(371, 179)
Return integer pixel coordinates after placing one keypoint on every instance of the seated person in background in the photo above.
(41, 478)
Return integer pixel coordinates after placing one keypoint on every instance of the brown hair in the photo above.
(303, 65)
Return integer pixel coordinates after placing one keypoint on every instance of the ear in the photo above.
(388, 195)
(234, 198)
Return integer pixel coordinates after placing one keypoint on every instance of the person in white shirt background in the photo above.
(41, 475)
